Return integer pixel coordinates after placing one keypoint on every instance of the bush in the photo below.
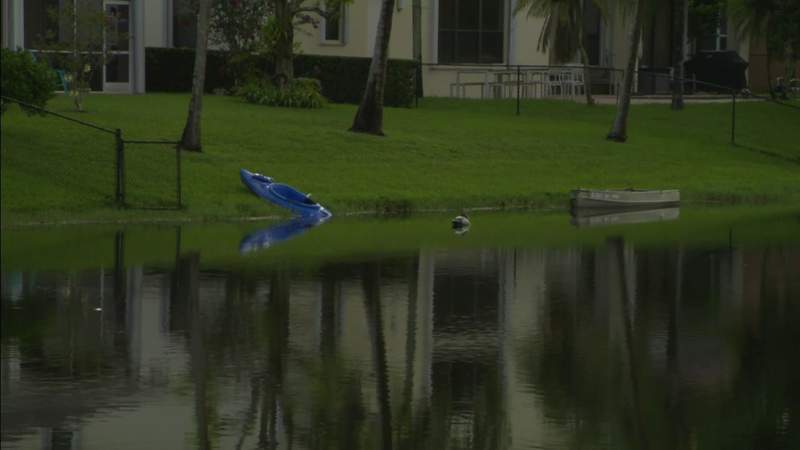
(342, 79)
(26, 79)
(299, 93)
(171, 70)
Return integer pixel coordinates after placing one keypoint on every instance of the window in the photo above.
(471, 31)
(717, 39)
(333, 27)
(184, 23)
(47, 24)
(592, 22)
(41, 27)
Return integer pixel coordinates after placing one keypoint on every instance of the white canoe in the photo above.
(628, 198)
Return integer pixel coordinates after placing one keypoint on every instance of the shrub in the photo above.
(299, 93)
(171, 70)
(26, 79)
(342, 79)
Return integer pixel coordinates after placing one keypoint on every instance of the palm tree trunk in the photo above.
(587, 75)
(190, 140)
(619, 132)
(284, 46)
(369, 117)
(416, 41)
(769, 75)
(679, 8)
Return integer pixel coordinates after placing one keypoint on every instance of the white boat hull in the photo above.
(591, 198)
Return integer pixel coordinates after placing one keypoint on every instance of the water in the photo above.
(526, 332)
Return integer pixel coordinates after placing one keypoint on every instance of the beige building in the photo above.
(468, 47)
(459, 38)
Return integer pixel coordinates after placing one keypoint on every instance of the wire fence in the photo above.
(148, 193)
(573, 82)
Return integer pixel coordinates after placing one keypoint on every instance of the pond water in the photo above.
(526, 332)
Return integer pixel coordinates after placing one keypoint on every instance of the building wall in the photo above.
(361, 21)
(757, 73)
(400, 45)
(156, 16)
(310, 39)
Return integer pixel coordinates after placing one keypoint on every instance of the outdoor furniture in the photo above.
(574, 82)
(532, 83)
(535, 84)
(555, 82)
(459, 88)
(62, 80)
(504, 84)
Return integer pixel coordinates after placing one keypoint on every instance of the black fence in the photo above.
(570, 82)
(120, 196)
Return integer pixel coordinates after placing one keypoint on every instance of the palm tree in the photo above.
(416, 42)
(369, 117)
(772, 20)
(619, 131)
(680, 9)
(190, 139)
(562, 31)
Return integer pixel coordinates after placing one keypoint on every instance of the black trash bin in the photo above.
(723, 68)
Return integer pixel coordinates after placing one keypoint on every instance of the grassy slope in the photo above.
(446, 153)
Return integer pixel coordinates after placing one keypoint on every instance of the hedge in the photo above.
(342, 78)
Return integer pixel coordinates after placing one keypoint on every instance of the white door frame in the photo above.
(125, 86)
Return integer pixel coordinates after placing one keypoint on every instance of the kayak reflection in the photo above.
(268, 237)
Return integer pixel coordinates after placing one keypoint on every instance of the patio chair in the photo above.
(554, 83)
(535, 84)
(63, 83)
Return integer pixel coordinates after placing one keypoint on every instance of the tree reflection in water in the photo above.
(602, 346)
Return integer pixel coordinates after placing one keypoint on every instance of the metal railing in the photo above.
(119, 151)
(519, 81)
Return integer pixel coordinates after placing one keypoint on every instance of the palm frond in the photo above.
(562, 28)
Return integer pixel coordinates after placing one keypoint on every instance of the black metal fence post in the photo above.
(417, 72)
(178, 175)
(518, 90)
(120, 166)
(733, 118)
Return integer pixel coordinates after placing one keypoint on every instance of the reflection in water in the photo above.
(267, 237)
(610, 346)
(622, 216)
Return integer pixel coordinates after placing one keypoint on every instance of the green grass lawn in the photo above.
(446, 153)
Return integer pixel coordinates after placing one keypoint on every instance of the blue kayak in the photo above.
(282, 195)
(268, 237)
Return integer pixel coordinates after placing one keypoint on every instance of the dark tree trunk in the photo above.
(769, 75)
(619, 131)
(416, 41)
(679, 11)
(369, 117)
(190, 140)
(284, 45)
(587, 76)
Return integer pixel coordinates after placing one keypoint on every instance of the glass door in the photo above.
(117, 71)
